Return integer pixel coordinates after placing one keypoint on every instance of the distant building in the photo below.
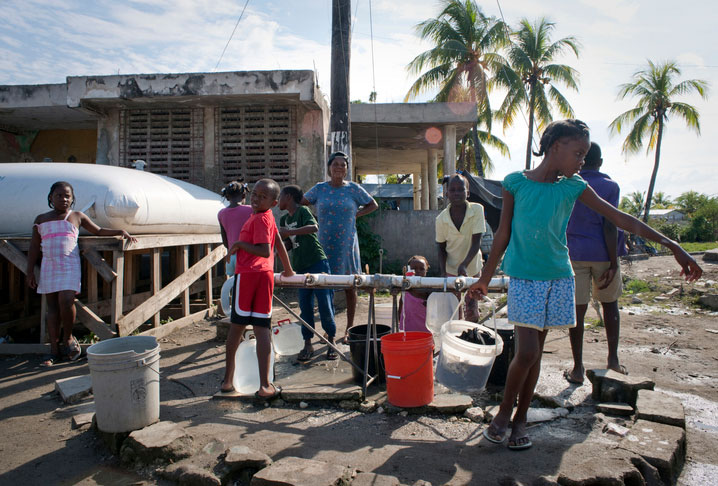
(670, 215)
(397, 196)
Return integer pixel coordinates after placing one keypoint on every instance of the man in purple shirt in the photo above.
(594, 245)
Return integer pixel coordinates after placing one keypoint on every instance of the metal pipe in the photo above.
(380, 281)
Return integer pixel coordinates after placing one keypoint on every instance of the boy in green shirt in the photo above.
(307, 256)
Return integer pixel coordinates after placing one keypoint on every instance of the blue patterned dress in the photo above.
(336, 209)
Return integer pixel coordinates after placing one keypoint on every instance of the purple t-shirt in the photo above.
(584, 234)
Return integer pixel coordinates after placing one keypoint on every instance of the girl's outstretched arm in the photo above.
(498, 247)
(90, 226)
(691, 269)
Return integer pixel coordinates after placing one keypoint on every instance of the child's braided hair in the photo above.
(234, 189)
(570, 127)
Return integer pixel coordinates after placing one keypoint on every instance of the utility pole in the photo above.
(339, 127)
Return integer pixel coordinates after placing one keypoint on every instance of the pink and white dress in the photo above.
(60, 267)
(413, 316)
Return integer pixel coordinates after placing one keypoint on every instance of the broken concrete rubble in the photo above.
(164, 441)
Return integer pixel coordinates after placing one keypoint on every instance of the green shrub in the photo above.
(700, 229)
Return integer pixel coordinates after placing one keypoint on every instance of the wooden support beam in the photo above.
(130, 271)
(173, 326)
(99, 264)
(93, 322)
(208, 277)
(151, 306)
(183, 266)
(15, 256)
(19, 324)
(91, 284)
(24, 348)
(156, 279)
(118, 265)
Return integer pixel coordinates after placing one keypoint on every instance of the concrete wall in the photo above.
(407, 233)
(312, 126)
(108, 138)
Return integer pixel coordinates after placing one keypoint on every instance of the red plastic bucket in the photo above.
(409, 368)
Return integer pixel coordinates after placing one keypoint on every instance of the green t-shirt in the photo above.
(307, 250)
(537, 248)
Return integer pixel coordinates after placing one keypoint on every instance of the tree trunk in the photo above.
(532, 100)
(652, 184)
(477, 150)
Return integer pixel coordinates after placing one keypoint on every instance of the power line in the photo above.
(231, 35)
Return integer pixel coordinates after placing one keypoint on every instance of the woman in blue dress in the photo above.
(338, 204)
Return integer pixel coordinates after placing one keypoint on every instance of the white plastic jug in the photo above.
(246, 369)
(440, 307)
(225, 300)
(287, 338)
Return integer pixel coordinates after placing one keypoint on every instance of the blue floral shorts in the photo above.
(542, 304)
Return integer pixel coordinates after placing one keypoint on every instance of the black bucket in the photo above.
(357, 348)
(502, 361)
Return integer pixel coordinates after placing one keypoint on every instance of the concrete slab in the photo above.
(659, 407)
(165, 441)
(609, 386)
(580, 467)
(615, 409)
(82, 419)
(293, 471)
(662, 446)
(708, 256)
(74, 389)
(371, 479)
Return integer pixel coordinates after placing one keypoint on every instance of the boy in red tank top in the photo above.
(254, 285)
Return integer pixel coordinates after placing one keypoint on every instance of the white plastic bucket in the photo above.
(125, 376)
(287, 338)
(464, 366)
(246, 368)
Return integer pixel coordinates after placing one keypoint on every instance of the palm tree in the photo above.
(632, 203)
(532, 76)
(661, 201)
(690, 202)
(656, 89)
(462, 61)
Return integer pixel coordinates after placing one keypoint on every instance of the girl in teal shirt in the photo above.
(536, 206)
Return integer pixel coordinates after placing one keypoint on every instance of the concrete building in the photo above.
(210, 128)
(408, 138)
(203, 128)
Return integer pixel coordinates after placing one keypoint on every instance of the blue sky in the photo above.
(43, 41)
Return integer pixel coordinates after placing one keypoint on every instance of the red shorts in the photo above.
(252, 302)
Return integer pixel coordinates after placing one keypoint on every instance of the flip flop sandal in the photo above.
(74, 351)
(277, 391)
(305, 355)
(520, 443)
(228, 391)
(332, 355)
(570, 379)
(49, 361)
(492, 437)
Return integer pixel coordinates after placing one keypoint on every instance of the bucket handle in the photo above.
(395, 377)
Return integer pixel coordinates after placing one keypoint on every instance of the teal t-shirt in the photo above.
(537, 248)
(307, 249)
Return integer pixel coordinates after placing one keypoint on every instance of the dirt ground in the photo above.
(668, 340)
